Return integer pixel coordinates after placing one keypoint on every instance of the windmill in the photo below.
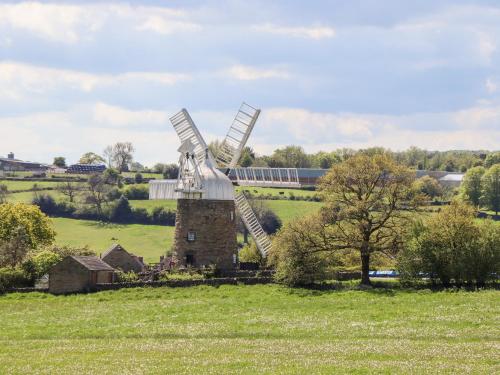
(205, 230)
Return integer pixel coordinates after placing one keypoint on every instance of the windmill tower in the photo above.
(205, 228)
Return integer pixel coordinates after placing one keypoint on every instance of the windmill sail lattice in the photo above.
(252, 223)
(237, 136)
(186, 186)
(186, 129)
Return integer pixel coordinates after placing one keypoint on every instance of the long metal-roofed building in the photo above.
(276, 177)
(11, 164)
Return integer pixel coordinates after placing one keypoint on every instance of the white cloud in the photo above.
(307, 126)
(17, 79)
(251, 73)
(60, 23)
(486, 47)
(491, 85)
(312, 32)
(40, 136)
(72, 23)
(164, 26)
(121, 117)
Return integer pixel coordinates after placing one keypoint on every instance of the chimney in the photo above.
(11, 155)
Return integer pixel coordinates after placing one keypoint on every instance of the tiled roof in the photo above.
(93, 263)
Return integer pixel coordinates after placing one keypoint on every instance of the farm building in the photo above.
(11, 164)
(119, 258)
(79, 274)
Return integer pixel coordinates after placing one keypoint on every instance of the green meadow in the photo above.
(251, 329)
(149, 241)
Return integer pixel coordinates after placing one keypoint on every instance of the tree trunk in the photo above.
(365, 269)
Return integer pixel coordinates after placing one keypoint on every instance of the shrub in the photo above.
(163, 216)
(41, 263)
(141, 215)
(126, 277)
(134, 192)
(452, 247)
(138, 178)
(291, 256)
(121, 212)
(13, 278)
(49, 206)
(250, 253)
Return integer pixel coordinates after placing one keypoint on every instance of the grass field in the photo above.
(251, 329)
(277, 191)
(287, 210)
(27, 185)
(149, 241)
(149, 205)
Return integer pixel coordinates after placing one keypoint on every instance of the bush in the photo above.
(163, 216)
(13, 278)
(49, 206)
(250, 253)
(126, 277)
(295, 264)
(134, 192)
(41, 262)
(121, 212)
(452, 247)
(138, 178)
(141, 215)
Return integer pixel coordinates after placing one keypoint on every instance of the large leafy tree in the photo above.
(59, 161)
(492, 159)
(491, 188)
(368, 200)
(22, 228)
(471, 185)
(91, 158)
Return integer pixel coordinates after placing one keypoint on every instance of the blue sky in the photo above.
(77, 76)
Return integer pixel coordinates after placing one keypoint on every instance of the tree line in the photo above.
(120, 156)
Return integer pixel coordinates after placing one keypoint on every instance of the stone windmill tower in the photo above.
(205, 228)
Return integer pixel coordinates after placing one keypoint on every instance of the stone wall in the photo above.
(68, 276)
(187, 283)
(213, 223)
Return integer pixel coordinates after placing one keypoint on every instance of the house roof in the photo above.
(93, 263)
(113, 247)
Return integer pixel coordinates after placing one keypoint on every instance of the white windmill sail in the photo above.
(186, 129)
(252, 224)
(230, 150)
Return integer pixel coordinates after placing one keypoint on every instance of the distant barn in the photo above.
(119, 258)
(79, 274)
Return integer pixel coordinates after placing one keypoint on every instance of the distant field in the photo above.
(251, 330)
(150, 204)
(288, 210)
(27, 185)
(149, 241)
(277, 191)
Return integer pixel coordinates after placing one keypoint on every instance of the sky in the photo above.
(76, 76)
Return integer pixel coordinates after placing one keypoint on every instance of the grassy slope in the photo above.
(250, 329)
(27, 185)
(149, 241)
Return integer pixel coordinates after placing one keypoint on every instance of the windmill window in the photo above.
(191, 237)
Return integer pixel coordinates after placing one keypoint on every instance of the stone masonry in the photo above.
(205, 233)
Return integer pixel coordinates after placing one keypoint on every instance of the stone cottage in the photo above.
(79, 274)
(117, 257)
